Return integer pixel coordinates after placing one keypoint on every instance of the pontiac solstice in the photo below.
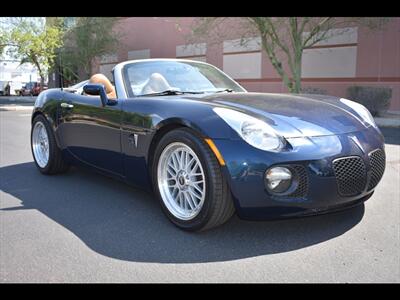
(207, 147)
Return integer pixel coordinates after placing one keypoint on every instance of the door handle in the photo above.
(66, 105)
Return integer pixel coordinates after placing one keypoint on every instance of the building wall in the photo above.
(357, 57)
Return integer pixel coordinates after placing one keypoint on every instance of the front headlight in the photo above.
(254, 131)
(362, 111)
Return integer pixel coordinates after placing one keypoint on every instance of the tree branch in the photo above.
(315, 31)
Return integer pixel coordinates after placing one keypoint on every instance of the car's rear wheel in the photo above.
(46, 153)
(189, 182)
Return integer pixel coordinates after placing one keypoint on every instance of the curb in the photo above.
(382, 122)
(21, 99)
(16, 108)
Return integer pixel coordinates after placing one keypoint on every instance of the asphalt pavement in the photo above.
(83, 227)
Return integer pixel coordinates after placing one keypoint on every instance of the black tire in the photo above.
(56, 163)
(218, 205)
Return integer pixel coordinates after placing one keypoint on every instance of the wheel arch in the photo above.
(35, 114)
(166, 126)
(49, 119)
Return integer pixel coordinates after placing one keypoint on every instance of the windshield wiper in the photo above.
(224, 90)
(220, 91)
(170, 92)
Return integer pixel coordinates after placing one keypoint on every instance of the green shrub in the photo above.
(376, 99)
(313, 90)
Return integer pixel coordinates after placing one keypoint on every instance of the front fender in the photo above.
(181, 122)
(153, 114)
(47, 104)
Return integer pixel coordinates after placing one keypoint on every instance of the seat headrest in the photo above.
(102, 79)
(156, 83)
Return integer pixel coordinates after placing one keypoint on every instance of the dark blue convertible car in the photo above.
(208, 148)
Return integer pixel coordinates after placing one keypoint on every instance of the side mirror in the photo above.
(98, 90)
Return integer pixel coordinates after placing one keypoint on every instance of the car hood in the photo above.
(293, 115)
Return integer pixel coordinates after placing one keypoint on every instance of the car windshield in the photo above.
(152, 77)
(79, 84)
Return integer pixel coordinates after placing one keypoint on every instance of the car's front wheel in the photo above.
(46, 153)
(189, 182)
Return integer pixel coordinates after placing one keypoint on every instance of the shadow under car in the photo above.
(121, 222)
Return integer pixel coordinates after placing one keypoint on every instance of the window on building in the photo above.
(192, 51)
(333, 57)
(139, 54)
(242, 58)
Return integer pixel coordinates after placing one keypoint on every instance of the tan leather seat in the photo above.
(156, 83)
(102, 79)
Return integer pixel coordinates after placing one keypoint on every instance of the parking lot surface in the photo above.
(83, 227)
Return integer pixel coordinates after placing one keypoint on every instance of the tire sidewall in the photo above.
(195, 143)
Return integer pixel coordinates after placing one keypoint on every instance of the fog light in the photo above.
(278, 179)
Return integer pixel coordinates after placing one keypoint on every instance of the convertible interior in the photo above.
(155, 83)
(102, 79)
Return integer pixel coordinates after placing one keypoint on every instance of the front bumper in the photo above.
(245, 171)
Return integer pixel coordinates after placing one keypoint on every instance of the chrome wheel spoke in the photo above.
(181, 201)
(189, 164)
(197, 181)
(186, 159)
(182, 159)
(171, 171)
(175, 161)
(175, 192)
(200, 190)
(195, 193)
(190, 201)
(171, 168)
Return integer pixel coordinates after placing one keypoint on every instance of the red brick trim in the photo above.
(241, 52)
(313, 47)
(350, 79)
(333, 46)
(190, 56)
(109, 63)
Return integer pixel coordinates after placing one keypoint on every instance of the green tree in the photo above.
(3, 41)
(30, 40)
(89, 38)
(3, 34)
(284, 39)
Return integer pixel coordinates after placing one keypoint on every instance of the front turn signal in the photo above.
(216, 151)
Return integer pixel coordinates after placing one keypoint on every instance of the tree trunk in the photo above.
(41, 74)
(276, 64)
(88, 69)
(297, 45)
(296, 86)
(41, 82)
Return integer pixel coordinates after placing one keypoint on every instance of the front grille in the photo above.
(377, 163)
(350, 174)
(302, 187)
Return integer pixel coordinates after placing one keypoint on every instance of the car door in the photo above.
(91, 132)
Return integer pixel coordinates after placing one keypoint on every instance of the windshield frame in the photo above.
(131, 94)
(78, 85)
